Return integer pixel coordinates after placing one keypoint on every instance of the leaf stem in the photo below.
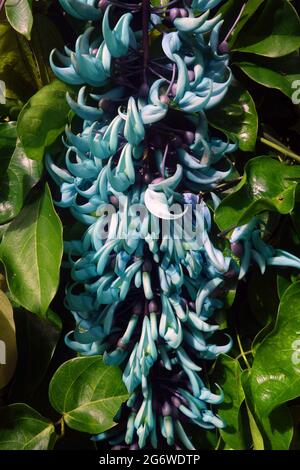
(243, 355)
(280, 148)
(61, 425)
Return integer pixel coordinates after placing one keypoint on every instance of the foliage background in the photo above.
(261, 378)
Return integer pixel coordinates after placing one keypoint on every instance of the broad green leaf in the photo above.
(273, 432)
(2, 92)
(8, 137)
(32, 270)
(43, 119)
(264, 306)
(275, 374)
(19, 14)
(278, 73)
(88, 394)
(18, 175)
(23, 428)
(8, 345)
(228, 375)
(273, 31)
(159, 3)
(236, 116)
(37, 339)
(43, 44)
(18, 68)
(267, 184)
(283, 282)
(3, 229)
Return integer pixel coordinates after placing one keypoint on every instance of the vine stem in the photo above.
(1, 4)
(146, 19)
(280, 148)
(61, 425)
(235, 23)
(243, 355)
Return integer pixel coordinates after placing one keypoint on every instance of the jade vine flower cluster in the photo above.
(143, 289)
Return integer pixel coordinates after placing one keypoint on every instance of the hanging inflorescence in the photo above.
(146, 276)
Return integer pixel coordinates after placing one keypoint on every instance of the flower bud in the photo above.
(153, 307)
(104, 104)
(103, 4)
(174, 13)
(189, 137)
(183, 13)
(191, 75)
(164, 99)
(237, 249)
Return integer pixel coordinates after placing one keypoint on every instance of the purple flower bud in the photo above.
(183, 13)
(189, 137)
(103, 4)
(147, 266)
(104, 104)
(114, 200)
(121, 345)
(176, 402)
(223, 48)
(174, 13)
(164, 99)
(147, 178)
(191, 75)
(166, 409)
(237, 249)
(153, 307)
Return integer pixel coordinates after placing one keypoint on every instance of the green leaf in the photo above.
(8, 341)
(236, 116)
(278, 73)
(264, 306)
(43, 44)
(228, 375)
(283, 282)
(18, 68)
(23, 428)
(32, 270)
(43, 119)
(19, 14)
(273, 432)
(267, 184)
(8, 136)
(273, 31)
(88, 394)
(159, 3)
(275, 374)
(18, 175)
(37, 339)
(258, 442)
